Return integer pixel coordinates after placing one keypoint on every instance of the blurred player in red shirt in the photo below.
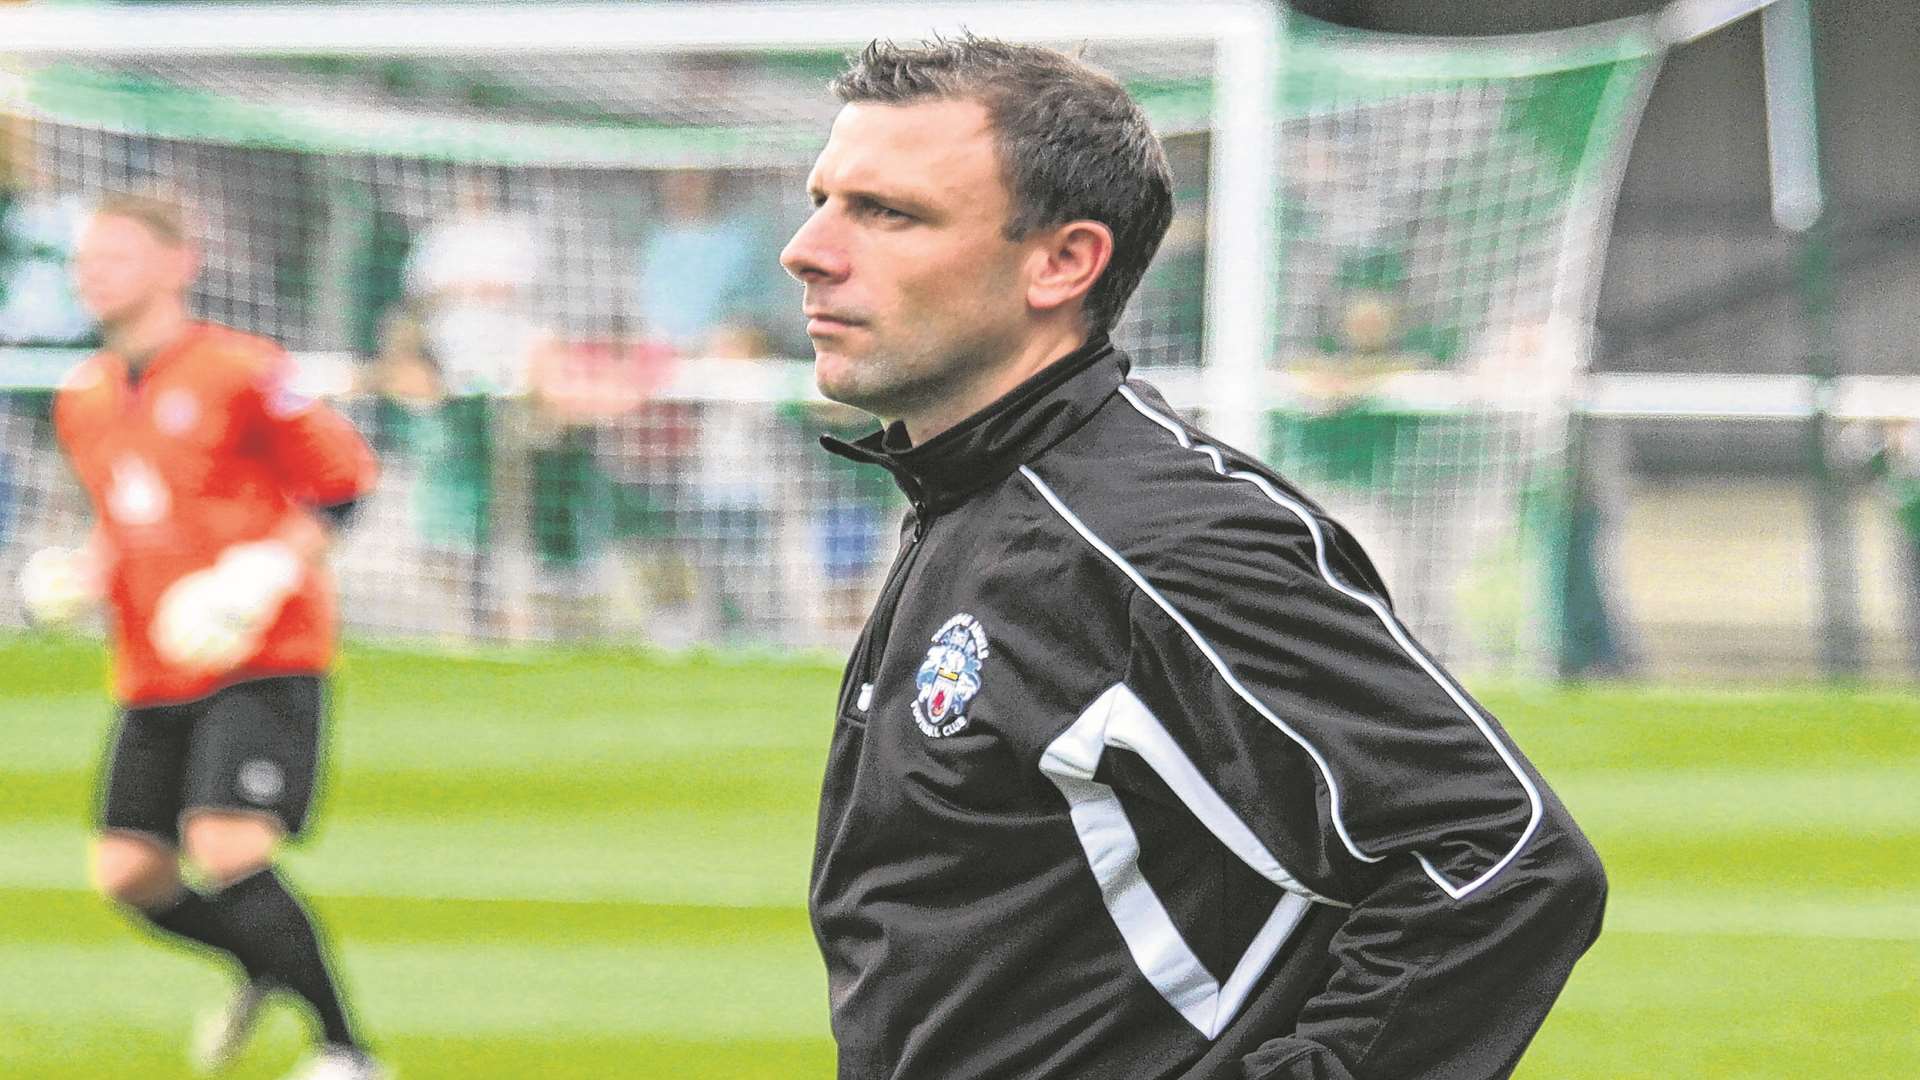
(213, 483)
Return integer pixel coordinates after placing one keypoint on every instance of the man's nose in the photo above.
(812, 256)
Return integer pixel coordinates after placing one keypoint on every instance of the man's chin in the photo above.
(836, 375)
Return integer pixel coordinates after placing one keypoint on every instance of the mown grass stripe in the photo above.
(750, 990)
(741, 860)
(78, 916)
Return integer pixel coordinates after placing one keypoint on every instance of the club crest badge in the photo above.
(284, 398)
(950, 677)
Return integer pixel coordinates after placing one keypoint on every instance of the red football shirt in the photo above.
(211, 446)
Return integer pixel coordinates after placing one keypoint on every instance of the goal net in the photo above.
(537, 264)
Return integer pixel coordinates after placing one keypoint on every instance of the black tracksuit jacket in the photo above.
(1136, 775)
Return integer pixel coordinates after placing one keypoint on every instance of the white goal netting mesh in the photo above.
(546, 286)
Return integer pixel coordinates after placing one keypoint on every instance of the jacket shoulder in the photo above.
(1173, 480)
(1178, 506)
(223, 351)
(86, 388)
(86, 377)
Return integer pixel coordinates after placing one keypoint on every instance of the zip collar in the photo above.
(134, 378)
(986, 447)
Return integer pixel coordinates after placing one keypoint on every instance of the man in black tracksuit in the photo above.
(1135, 774)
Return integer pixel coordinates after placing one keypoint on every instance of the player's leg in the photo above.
(141, 874)
(250, 781)
(134, 859)
(222, 1033)
(135, 871)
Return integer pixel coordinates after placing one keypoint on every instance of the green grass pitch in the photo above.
(594, 865)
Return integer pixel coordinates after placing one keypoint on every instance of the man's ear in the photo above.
(184, 264)
(1065, 263)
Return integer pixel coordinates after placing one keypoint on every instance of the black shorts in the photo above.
(253, 747)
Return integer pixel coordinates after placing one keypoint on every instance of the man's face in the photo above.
(120, 268)
(913, 291)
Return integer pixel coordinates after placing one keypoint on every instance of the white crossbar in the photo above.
(459, 29)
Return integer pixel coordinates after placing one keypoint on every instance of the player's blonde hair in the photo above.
(167, 218)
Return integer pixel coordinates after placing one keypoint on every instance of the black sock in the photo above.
(272, 935)
(192, 918)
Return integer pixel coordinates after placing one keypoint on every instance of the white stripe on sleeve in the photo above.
(1118, 718)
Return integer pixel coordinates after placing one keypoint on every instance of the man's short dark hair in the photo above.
(1073, 146)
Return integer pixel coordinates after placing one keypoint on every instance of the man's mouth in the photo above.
(823, 321)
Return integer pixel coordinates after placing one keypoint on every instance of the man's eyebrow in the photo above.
(896, 200)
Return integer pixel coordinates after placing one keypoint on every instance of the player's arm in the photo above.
(321, 460)
(307, 533)
(1377, 783)
(323, 464)
(215, 618)
(60, 584)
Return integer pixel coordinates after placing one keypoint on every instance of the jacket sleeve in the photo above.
(318, 455)
(1374, 781)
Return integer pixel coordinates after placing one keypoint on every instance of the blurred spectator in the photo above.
(647, 452)
(734, 481)
(450, 440)
(494, 477)
(1394, 472)
(1595, 638)
(1895, 462)
(701, 275)
(471, 277)
(37, 301)
(376, 277)
(449, 435)
(453, 366)
(702, 290)
(583, 392)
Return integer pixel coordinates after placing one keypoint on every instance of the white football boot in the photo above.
(340, 1063)
(220, 1034)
